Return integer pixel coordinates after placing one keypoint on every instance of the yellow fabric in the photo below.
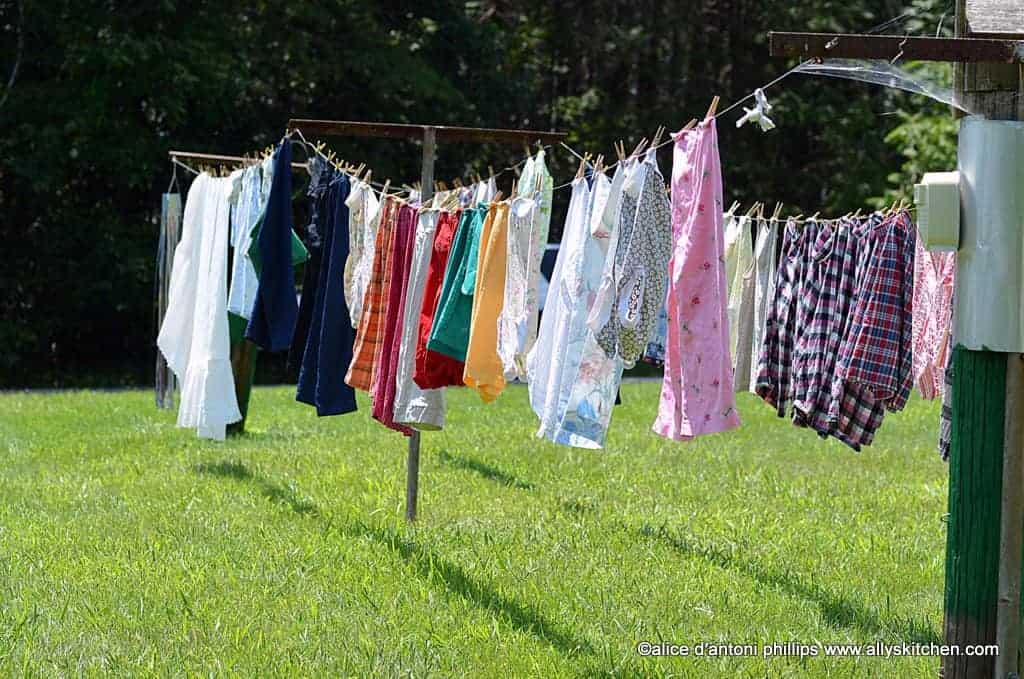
(484, 371)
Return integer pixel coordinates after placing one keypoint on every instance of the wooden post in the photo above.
(983, 543)
(1011, 539)
(412, 479)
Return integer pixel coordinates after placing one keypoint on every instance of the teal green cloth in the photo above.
(449, 334)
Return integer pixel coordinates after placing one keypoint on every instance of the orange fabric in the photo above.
(484, 370)
(371, 323)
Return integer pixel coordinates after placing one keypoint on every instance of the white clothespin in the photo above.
(758, 114)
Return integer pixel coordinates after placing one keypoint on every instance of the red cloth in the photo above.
(382, 388)
(434, 370)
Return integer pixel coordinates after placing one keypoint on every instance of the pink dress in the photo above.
(934, 274)
(697, 392)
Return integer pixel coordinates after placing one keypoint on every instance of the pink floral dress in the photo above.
(697, 392)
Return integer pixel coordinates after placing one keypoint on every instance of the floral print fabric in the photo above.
(697, 390)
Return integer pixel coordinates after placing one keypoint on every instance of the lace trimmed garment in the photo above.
(529, 220)
(194, 336)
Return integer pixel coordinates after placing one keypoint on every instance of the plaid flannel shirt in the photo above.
(774, 361)
(874, 371)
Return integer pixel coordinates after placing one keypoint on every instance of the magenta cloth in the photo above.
(382, 390)
(697, 395)
(934, 277)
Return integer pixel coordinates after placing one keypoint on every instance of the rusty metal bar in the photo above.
(218, 158)
(347, 128)
(891, 47)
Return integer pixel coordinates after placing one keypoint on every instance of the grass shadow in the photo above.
(489, 472)
(456, 580)
(837, 610)
(287, 495)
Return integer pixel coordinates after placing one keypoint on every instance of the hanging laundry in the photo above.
(824, 304)
(275, 310)
(632, 288)
(170, 233)
(396, 278)
(697, 390)
(765, 264)
(434, 369)
(739, 264)
(875, 365)
(328, 347)
(838, 337)
(320, 173)
(529, 221)
(298, 249)
(934, 274)
(554, 363)
(245, 213)
(371, 321)
(483, 369)
(775, 361)
(422, 409)
(449, 334)
(364, 217)
(946, 416)
(194, 334)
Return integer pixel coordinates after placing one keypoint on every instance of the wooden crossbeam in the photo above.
(891, 47)
(347, 128)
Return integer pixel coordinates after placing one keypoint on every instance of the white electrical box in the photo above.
(938, 210)
(989, 314)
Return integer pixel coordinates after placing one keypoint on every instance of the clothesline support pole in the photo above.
(412, 478)
(985, 528)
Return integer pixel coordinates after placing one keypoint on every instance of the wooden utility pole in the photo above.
(986, 473)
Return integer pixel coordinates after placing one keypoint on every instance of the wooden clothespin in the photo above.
(753, 209)
(599, 164)
(513, 188)
(497, 197)
(491, 170)
(690, 125)
(776, 212)
(457, 183)
(657, 136)
(713, 108)
(583, 164)
(732, 208)
(639, 148)
(814, 217)
(620, 150)
(369, 173)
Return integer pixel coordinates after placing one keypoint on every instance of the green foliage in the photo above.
(130, 548)
(105, 90)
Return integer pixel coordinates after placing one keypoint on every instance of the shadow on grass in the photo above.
(485, 470)
(837, 610)
(286, 495)
(439, 571)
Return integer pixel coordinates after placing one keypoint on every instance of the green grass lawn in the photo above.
(130, 548)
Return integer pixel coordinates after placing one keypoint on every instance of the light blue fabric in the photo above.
(554, 363)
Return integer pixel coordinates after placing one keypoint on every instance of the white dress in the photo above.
(194, 335)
